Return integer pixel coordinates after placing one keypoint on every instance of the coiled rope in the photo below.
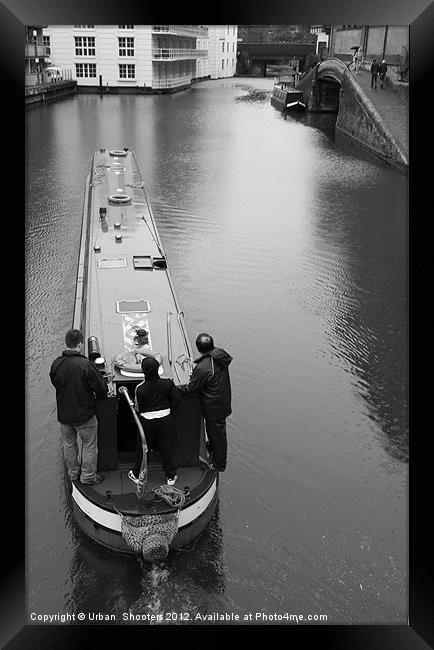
(172, 495)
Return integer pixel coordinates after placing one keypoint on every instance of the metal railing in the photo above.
(33, 50)
(181, 30)
(175, 82)
(169, 54)
(43, 78)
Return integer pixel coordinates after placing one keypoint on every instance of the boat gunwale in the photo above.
(101, 502)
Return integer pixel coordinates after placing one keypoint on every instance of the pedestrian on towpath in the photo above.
(383, 71)
(358, 60)
(375, 69)
(78, 385)
(210, 380)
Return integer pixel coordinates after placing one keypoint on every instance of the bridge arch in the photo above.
(330, 87)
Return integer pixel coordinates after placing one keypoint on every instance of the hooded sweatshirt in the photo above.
(210, 380)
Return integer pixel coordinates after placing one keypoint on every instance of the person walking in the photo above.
(210, 380)
(78, 385)
(375, 69)
(382, 71)
(155, 399)
(358, 60)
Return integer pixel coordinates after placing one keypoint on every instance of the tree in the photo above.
(403, 64)
(310, 62)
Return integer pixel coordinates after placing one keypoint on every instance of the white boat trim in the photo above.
(112, 520)
(295, 104)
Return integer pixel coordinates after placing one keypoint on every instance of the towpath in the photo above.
(392, 109)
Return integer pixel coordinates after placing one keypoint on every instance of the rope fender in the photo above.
(151, 535)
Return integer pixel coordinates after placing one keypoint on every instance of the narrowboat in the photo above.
(286, 98)
(124, 285)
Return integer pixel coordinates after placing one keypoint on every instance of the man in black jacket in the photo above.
(375, 69)
(382, 70)
(210, 380)
(78, 384)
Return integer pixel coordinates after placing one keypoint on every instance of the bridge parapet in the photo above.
(330, 87)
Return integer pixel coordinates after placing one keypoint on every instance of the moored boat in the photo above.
(286, 98)
(124, 286)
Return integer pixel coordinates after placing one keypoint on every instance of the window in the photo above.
(84, 26)
(223, 47)
(223, 64)
(232, 63)
(126, 26)
(233, 47)
(127, 71)
(227, 47)
(84, 45)
(46, 42)
(126, 46)
(85, 69)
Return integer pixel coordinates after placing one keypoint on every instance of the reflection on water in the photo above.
(191, 580)
(292, 253)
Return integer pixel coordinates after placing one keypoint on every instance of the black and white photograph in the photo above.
(216, 237)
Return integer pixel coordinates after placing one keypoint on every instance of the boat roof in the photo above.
(125, 290)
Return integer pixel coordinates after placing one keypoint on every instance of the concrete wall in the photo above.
(344, 40)
(375, 43)
(397, 36)
(373, 39)
(358, 119)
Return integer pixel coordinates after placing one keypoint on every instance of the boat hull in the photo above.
(123, 285)
(104, 527)
(288, 101)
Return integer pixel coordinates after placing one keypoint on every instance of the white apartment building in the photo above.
(130, 58)
(322, 41)
(154, 57)
(222, 50)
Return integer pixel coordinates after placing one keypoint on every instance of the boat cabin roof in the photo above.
(128, 286)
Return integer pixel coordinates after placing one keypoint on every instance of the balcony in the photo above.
(34, 50)
(194, 31)
(171, 83)
(165, 54)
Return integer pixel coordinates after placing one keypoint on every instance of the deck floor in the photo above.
(118, 482)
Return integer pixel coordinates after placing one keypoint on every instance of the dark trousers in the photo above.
(218, 444)
(374, 80)
(159, 434)
(382, 77)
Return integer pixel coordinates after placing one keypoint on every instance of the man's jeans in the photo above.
(89, 452)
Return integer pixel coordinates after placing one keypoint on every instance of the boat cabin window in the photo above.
(112, 264)
(129, 306)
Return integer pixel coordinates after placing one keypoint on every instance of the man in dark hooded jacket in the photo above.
(78, 385)
(210, 380)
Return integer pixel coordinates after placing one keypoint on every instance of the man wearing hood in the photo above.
(210, 380)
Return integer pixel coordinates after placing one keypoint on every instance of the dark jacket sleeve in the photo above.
(96, 382)
(175, 397)
(197, 380)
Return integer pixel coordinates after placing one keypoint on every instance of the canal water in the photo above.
(292, 252)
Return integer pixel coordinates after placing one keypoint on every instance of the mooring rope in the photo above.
(172, 495)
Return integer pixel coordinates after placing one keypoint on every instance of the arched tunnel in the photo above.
(325, 96)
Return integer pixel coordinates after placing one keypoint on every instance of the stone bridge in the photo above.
(330, 87)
